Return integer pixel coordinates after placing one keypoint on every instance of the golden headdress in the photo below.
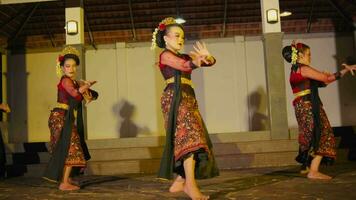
(65, 51)
(161, 27)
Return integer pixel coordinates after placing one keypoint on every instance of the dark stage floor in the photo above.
(267, 183)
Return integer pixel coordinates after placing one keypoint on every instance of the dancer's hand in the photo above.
(198, 60)
(201, 53)
(201, 49)
(350, 68)
(84, 88)
(5, 107)
(90, 83)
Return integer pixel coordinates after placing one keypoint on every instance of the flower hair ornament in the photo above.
(161, 27)
(60, 58)
(295, 47)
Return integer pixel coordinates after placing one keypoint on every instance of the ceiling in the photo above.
(41, 25)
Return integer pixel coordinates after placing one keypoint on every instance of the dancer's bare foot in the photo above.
(318, 175)
(177, 185)
(68, 187)
(193, 192)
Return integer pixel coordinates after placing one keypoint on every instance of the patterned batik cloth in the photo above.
(75, 155)
(304, 115)
(189, 135)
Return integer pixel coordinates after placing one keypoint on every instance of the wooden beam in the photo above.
(224, 21)
(91, 37)
(310, 16)
(132, 22)
(21, 12)
(49, 32)
(10, 40)
(22, 1)
(74, 3)
(342, 12)
(5, 14)
(11, 8)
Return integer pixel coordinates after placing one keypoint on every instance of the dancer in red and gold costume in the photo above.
(67, 145)
(188, 151)
(316, 138)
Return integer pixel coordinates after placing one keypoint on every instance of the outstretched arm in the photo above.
(326, 78)
(5, 107)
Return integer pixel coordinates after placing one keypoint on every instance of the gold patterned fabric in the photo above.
(75, 156)
(304, 115)
(189, 135)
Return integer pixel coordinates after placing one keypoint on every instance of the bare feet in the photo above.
(177, 185)
(318, 175)
(193, 192)
(68, 187)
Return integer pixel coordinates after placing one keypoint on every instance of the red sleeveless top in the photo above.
(298, 82)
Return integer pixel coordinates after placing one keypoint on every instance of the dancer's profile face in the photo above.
(305, 57)
(70, 68)
(174, 38)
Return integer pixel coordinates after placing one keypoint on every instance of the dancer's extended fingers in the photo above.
(200, 46)
(204, 45)
(196, 49)
(352, 71)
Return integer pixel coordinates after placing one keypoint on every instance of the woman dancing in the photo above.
(316, 138)
(67, 144)
(188, 150)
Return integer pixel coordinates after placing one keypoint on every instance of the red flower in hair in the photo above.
(162, 27)
(299, 46)
(60, 58)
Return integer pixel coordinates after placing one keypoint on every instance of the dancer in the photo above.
(316, 138)
(67, 144)
(3, 108)
(188, 150)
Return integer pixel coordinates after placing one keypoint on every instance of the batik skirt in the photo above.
(304, 115)
(191, 136)
(75, 155)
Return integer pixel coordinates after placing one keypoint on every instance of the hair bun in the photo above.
(287, 53)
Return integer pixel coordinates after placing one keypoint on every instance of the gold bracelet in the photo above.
(210, 58)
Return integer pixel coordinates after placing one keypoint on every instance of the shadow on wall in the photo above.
(126, 127)
(257, 110)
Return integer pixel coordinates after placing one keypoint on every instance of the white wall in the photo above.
(231, 95)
